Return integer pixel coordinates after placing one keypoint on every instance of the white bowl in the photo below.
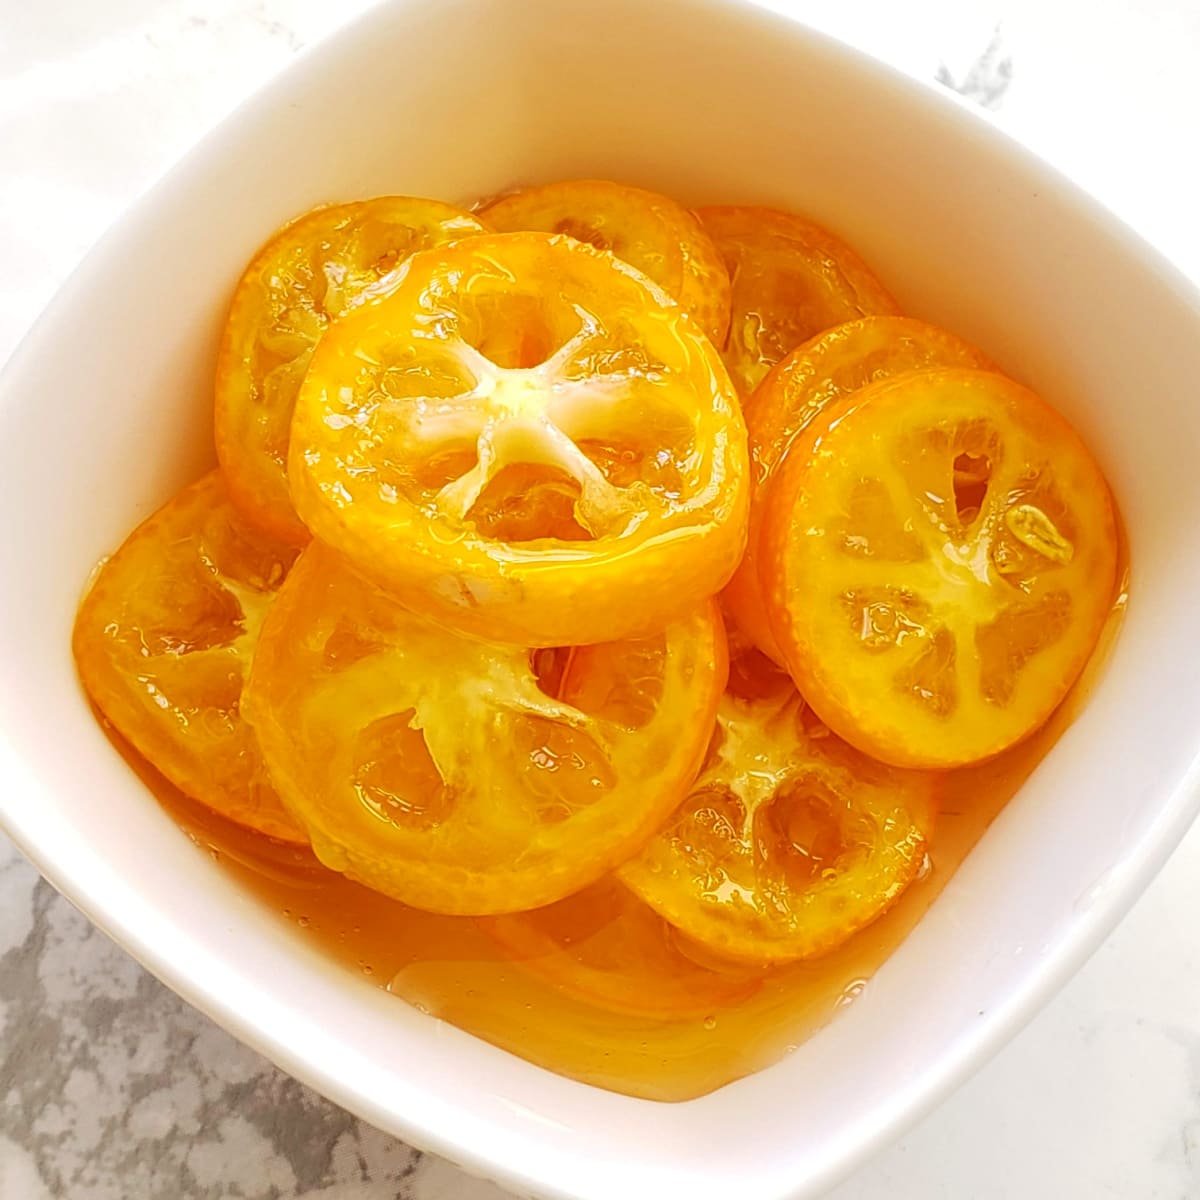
(105, 411)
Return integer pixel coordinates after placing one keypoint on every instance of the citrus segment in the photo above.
(309, 273)
(832, 364)
(650, 232)
(790, 840)
(790, 279)
(942, 552)
(163, 642)
(527, 441)
(470, 777)
(605, 946)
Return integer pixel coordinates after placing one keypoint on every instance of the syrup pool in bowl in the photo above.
(523, 415)
(515, 998)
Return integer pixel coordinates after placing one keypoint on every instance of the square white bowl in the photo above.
(105, 410)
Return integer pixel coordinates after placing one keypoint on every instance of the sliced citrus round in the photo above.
(527, 440)
(790, 279)
(651, 232)
(310, 273)
(163, 642)
(790, 841)
(833, 364)
(941, 552)
(469, 777)
(606, 947)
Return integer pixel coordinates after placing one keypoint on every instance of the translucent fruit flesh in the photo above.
(492, 689)
(790, 841)
(831, 365)
(790, 280)
(522, 435)
(163, 642)
(463, 776)
(650, 232)
(309, 273)
(943, 549)
(608, 948)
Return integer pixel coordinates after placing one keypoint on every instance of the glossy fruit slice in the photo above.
(790, 280)
(648, 231)
(606, 947)
(527, 441)
(310, 272)
(463, 776)
(790, 841)
(942, 551)
(833, 364)
(163, 642)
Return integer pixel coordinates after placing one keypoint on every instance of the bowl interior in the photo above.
(105, 411)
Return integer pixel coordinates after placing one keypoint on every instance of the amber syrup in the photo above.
(451, 969)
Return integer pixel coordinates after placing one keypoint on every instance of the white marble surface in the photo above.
(112, 1089)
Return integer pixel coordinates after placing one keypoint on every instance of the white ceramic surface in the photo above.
(119, 368)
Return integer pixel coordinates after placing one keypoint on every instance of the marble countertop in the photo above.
(113, 1089)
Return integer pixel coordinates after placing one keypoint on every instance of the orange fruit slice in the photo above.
(309, 273)
(942, 552)
(606, 947)
(790, 841)
(163, 642)
(527, 441)
(650, 232)
(833, 364)
(790, 279)
(469, 777)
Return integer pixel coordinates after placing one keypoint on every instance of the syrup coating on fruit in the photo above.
(650, 232)
(790, 841)
(942, 551)
(519, 438)
(163, 643)
(311, 272)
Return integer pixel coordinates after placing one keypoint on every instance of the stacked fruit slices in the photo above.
(587, 564)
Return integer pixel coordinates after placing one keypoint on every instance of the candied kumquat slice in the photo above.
(650, 232)
(790, 841)
(309, 273)
(527, 441)
(163, 642)
(941, 553)
(790, 280)
(606, 947)
(468, 777)
(833, 364)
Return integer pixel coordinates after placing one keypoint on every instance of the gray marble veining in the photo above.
(115, 1088)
